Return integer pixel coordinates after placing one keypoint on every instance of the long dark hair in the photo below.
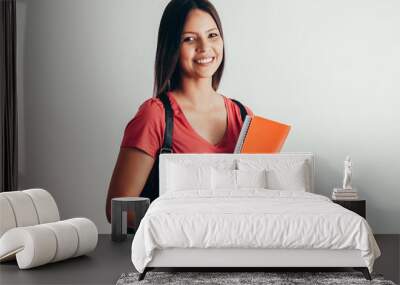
(166, 70)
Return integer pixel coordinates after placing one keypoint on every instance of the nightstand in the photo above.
(119, 215)
(357, 206)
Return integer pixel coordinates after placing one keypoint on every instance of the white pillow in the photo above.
(223, 179)
(235, 179)
(294, 179)
(182, 177)
(251, 178)
(282, 174)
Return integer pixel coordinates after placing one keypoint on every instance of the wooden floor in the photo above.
(111, 259)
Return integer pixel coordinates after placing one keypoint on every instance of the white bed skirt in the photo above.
(194, 257)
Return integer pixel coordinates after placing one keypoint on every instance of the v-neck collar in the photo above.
(170, 95)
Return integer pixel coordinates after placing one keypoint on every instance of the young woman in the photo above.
(188, 68)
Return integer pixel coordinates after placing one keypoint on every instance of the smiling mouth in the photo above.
(205, 61)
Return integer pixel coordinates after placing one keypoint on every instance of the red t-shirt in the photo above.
(146, 130)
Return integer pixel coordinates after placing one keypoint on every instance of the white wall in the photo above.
(329, 68)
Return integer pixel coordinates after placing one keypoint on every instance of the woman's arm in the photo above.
(131, 171)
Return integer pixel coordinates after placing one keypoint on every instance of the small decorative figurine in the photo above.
(347, 173)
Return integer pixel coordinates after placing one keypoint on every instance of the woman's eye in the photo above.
(188, 39)
(213, 35)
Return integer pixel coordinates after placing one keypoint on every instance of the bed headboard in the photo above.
(229, 160)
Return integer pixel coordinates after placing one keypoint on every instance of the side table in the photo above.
(119, 215)
(357, 206)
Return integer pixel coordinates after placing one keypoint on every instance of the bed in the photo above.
(248, 210)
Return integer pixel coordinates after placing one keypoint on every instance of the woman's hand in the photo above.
(131, 171)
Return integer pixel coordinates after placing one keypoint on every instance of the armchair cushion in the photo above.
(40, 244)
(32, 233)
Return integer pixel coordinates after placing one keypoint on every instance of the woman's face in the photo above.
(201, 49)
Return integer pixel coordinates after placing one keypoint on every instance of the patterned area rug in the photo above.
(270, 278)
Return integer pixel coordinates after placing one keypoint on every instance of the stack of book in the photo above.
(344, 194)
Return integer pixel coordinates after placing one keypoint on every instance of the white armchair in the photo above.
(31, 231)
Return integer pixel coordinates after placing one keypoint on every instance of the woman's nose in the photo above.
(203, 45)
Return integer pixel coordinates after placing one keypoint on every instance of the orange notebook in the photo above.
(260, 135)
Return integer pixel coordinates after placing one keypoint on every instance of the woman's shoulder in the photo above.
(151, 111)
(146, 129)
(152, 105)
(235, 106)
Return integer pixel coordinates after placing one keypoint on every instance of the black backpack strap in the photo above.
(243, 111)
(169, 124)
(151, 187)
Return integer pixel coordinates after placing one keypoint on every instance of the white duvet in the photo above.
(251, 218)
